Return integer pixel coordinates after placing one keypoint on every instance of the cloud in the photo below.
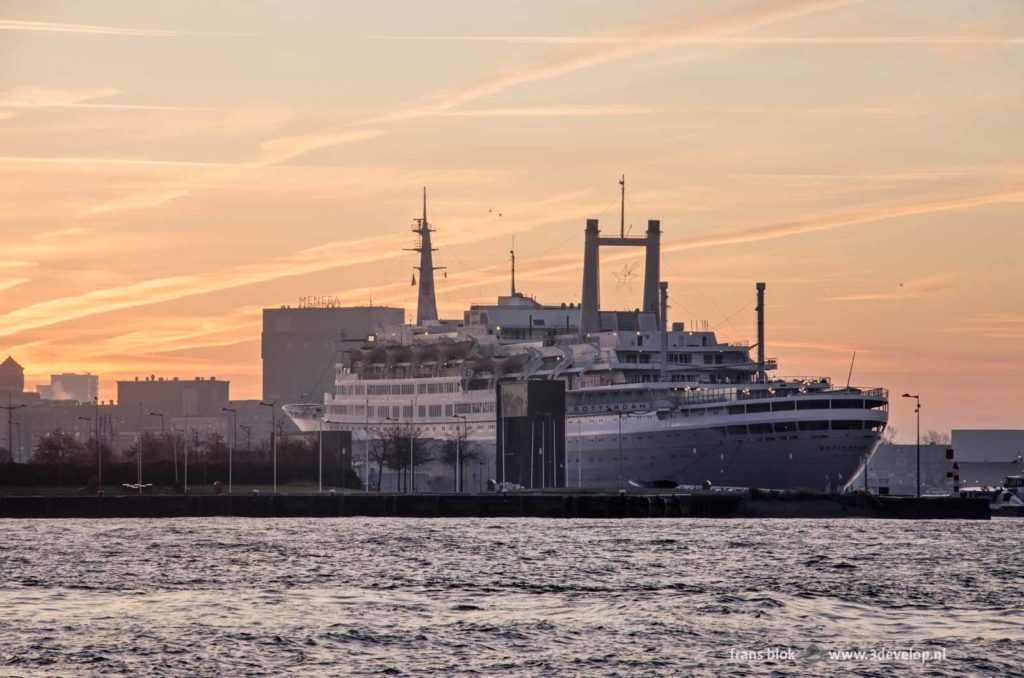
(715, 25)
(554, 112)
(88, 29)
(30, 97)
(12, 282)
(335, 254)
(912, 289)
(840, 219)
(682, 40)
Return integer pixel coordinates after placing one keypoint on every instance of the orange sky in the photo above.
(169, 169)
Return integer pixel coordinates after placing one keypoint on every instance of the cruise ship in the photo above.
(647, 403)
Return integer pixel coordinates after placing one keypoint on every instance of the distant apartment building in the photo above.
(300, 346)
(79, 388)
(12, 376)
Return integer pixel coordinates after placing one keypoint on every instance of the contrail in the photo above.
(670, 41)
(718, 25)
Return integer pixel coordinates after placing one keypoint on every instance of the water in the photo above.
(235, 596)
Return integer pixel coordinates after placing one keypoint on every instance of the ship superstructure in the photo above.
(646, 402)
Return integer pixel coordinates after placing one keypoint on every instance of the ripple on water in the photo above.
(224, 596)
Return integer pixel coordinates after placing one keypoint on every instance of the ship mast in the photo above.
(426, 303)
(513, 253)
(622, 208)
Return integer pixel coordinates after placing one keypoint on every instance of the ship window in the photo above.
(421, 388)
(736, 409)
(435, 410)
(779, 407)
(407, 411)
(758, 407)
(847, 404)
(813, 425)
(421, 411)
(760, 428)
(737, 430)
(874, 404)
(447, 410)
(785, 427)
(847, 425)
(812, 405)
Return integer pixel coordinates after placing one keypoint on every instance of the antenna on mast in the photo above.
(513, 253)
(622, 209)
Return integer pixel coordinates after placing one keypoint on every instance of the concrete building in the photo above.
(172, 397)
(991, 445)
(892, 470)
(79, 388)
(300, 346)
(12, 376)
(984, 458)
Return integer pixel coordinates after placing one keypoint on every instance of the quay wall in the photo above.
(494, 505)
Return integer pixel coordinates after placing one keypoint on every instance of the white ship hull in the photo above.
(659, 447)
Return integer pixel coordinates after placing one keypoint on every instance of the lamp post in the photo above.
(89, 419)
(398, 477)
(579, 452)
(10, 425)
(231, 449)
(13, 457)
(917, 411)
(320, 458)
(96, 436)
(163, 441)
(619, 414)
(458, 452)
(273, 436)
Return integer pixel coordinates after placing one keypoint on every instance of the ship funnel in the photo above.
(761, 376)
(652, 268)
(590, 318)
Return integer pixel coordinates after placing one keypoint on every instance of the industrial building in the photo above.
(173, 397)
(983, 459)
(79, 388)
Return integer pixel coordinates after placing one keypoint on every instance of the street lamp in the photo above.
(273, 435)
(231, 449)
(100, 471)
(10, 413)
(620, 415)
(163, 441)
(917, 411)
(458, 452)
(384, 449)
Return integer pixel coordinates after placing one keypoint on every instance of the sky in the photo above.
(168, 169)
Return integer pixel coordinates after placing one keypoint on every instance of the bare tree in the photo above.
(458, 449)
(401, 436)
(889, 435)
(935, 438)
(379, 441)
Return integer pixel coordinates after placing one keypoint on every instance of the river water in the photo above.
(238, 596)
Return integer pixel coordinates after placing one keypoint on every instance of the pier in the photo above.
(755, 504)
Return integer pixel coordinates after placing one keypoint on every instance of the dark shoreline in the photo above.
(754, 504)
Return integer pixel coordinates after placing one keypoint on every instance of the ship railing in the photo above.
(734, 393)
